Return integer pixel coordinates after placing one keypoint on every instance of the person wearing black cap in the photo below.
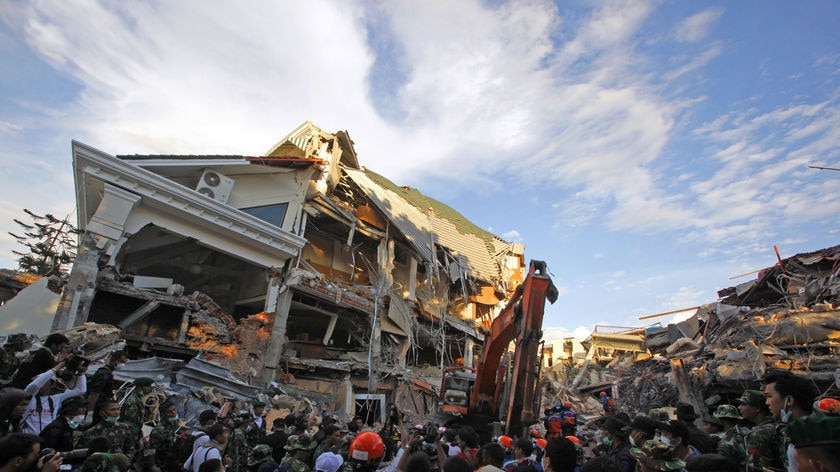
(58, 434)
(816, 442)
(641, 429)
(700, 440)
(676, 433)
(620, 448)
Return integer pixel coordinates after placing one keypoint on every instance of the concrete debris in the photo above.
(786, 319)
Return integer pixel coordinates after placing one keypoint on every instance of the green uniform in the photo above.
(237, 449)
(295, 464)
(765, 446)
(255, 434)
(733, 445)
(133, 411)
(122, 437)
(162, 440)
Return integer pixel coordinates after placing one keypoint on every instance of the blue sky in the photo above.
(648, 151)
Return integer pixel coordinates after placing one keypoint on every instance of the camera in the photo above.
(75, 455)
(430, 432)
(74, 366)
(393, 413)
(66, 456)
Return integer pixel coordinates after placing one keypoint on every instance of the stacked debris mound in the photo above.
(646, 385)
(785, 319)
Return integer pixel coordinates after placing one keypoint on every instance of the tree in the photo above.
(51, 243)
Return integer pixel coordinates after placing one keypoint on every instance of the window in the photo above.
(273, 213)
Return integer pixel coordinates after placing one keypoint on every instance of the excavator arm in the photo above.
(520, 321)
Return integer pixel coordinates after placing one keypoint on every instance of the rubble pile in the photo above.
(784, 319)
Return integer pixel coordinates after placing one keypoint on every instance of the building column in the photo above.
(279, 302)
(100, 241)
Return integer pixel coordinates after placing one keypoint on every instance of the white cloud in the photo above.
(696, 27)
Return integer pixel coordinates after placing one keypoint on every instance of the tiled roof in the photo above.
(409, 211)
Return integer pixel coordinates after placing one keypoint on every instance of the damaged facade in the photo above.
(786, 318)
(299, 267)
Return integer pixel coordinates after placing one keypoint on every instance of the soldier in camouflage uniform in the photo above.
(763, 443)
(133, 410)
(256, 433)
(9, 361)
(162, 437)
(332, 442)
(122, 437)
(732, 444)
(298, 450)
(237, 447)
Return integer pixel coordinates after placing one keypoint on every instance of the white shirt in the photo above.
(203, 454)
(34, 421)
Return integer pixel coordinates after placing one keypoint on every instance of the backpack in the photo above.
(184, 445)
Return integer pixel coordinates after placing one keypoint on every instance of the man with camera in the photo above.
(21, 452)
(43, 407)
(55, 347)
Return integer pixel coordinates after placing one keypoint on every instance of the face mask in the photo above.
(785, 414)
(598, 436)
(78, 419)
(632, 441)
(174, 419)
(665, 440)
(608, 441)
(112, 419)
(249, 428)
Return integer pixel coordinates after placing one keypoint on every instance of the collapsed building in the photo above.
(785, 318)
(297, 268)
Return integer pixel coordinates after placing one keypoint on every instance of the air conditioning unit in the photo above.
(215, 185)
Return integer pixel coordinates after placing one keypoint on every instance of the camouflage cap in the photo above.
(659, 414)
(712, 420)
(727, 411)
(259, 454)
(656, 455)
(753, 397)
(300, 442)
(811, 431)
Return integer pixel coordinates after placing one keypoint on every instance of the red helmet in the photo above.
(506, 441)
(602, 394)
(535, 433)
(567, 404)
(367, 446)
(575, 440)
(541, 443)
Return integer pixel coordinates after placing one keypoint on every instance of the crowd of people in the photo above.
(55, 416)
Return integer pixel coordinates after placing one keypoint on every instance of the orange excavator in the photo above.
(505, 391)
